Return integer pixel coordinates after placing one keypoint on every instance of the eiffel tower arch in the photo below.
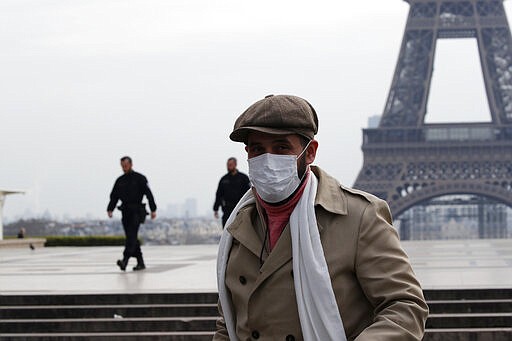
(407, 161)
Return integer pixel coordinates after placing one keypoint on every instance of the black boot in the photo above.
(122, 263)
(140, 264)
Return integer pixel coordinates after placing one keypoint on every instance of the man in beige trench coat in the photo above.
(348, 278)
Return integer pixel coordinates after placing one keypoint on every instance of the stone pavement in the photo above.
(462, 264)
(93, 270)
(455, 264)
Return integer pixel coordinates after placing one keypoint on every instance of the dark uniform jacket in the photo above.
(130, 188)
(231, 189)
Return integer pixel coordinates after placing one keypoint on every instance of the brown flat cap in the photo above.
(280, 114)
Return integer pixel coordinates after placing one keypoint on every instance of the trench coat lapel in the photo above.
(280, 255)
(242, 230)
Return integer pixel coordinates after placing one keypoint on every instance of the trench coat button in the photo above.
(242, 280)
(290, 338)
(255, 334)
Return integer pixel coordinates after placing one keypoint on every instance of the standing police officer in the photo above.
(130, 188)
(232, 187)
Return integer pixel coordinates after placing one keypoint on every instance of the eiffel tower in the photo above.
(408, 162)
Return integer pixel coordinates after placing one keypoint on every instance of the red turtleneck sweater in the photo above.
(278, 216)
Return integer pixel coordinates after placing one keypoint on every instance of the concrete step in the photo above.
(461, 334)
(210, 309)
(467, 294)
(106, 299)
(133, 336)
(468, 334)
(207, 323)
(107, 311)
(470, 306)
(471, 320)
(106, 325)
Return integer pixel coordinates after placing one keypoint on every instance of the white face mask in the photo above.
(274, 176)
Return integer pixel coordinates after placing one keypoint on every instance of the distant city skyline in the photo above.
(184, 209)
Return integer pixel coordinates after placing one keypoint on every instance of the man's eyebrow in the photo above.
(285, 140)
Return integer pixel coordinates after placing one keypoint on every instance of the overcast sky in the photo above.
(83, 83)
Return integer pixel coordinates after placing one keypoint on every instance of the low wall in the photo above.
(22, 243)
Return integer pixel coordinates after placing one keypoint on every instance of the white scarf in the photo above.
(318, 312)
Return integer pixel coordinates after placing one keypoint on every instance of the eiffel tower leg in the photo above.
(408, 162)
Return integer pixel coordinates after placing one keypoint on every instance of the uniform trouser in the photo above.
(226, 212)
(131, 223)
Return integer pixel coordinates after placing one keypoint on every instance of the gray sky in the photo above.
(85, 82)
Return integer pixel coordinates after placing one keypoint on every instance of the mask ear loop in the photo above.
(298, 156)
(304, 150)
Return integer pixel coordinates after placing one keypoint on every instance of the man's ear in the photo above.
(311, 151)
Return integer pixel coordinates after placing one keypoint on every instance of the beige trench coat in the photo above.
(377, 293)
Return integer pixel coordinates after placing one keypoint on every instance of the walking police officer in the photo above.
(130, 188)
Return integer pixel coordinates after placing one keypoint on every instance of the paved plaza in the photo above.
(455, 264)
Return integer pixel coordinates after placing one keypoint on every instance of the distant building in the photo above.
(455, 217)
(187, 209)
(373, 121)
(171, 211)
(190, 208)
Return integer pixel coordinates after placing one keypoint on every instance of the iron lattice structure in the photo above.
(407, 161)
